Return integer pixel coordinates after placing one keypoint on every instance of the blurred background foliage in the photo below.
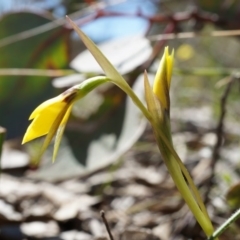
(35, 36)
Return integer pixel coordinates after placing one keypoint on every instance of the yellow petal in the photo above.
(160, 86)
(51, 103)
(163, 79)
(44, 116)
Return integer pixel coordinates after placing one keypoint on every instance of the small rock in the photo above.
(12, 158)
(40, 229)
(150, 175)
(7, 212)
(57, 195)
(144, 219)
(135, 190)
(209, 139)
(70, 235)
(75, 186)
(96, 228)
(138, 234)
(71, 208)
(163, 231)
(123, 203)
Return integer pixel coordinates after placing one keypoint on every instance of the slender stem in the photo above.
(183, 188)
(127, 89)
(193, 187)
(225, 225)
(170, 148)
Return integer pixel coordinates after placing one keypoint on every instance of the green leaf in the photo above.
(153, 103)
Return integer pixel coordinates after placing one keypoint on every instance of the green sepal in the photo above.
(109, 69)
(88, 85)
(52, 132)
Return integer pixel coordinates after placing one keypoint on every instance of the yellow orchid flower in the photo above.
(51, 116)
(55, 112)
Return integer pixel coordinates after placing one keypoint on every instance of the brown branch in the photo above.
(159, 18)
(172, 21)
(219, 134)
(51, 25)
(102, 213)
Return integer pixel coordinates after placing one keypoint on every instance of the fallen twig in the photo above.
(102, 213)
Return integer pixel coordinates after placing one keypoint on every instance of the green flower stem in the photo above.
(91, 83)
(185, 172)
(177, 176)
(127, 89)
(225, 225)
(198, 211)
(192, 187)
(171, 160)
(183, 188)
(88, 85)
